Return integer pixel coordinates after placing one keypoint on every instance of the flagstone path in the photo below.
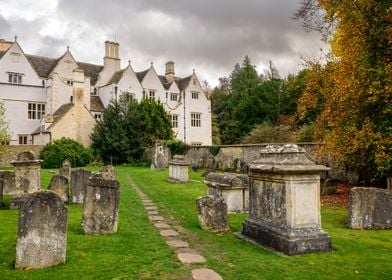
(184, 253)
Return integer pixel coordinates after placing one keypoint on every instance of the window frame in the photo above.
(15, 78)
(174, 120)
(195, 119)
(23, 139)
(195, 94)
(35, 110)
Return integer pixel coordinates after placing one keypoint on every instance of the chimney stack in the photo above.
(112, 59)
(169, 73)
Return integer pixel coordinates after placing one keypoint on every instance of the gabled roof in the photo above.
(2, 53)
(166, 84)
(91, 70)
(96, 104)
(184, 82)
(140, 75)
(60, 112)
(116, 77)
(42, 65)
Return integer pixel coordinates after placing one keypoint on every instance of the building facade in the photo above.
(49, 98)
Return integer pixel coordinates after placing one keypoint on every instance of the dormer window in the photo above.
(173, 96)
(151, 94)
(195, 95)
(15, 78)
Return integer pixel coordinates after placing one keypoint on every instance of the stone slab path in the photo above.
(184, 253)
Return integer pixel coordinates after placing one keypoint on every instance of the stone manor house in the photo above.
(49, 98)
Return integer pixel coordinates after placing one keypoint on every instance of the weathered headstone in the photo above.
(42, 231)
(27, 173)
(59, 185)
(233, 187)
(65, 169)
(178, 169)
(370, 208)
(101, 204)
(8, 179)
(160, 157)
(79, 181)
(212, 213)
(108, 172)
(284, 202)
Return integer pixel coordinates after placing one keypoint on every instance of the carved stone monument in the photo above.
(79, 181)
(370, 208)
(212, 213)
(101, 204)
(59, 185)
(284, 202)
(65, 169)
(178, 169)
(160, 156)
(108, 172)
(234, 188)
(27, 173)
(42, 231)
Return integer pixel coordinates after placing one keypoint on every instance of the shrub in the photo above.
(214, 150)
(306, 133)
(54, 153)
(265, 133)
(177, 147)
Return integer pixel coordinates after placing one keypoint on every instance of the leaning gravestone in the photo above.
(284, 202)
(100, 208)
(370, 208)
(59, 185)
(79, 181)
(212, 213)
(42, 231)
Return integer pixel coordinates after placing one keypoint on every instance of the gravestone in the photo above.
(65, 169)
(79, 181)
(284, 202)
(59, 185)
(233, 187)
(212, 213)
(8, 179)
(178, 169)
(101, 204)
(160, 157)
(27, 173)
(370, 208)
(108, 172)
(42, 231)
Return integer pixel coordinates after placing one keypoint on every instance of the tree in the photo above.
(356, 85)
(127, 127)
(4, 129)
(156, 123)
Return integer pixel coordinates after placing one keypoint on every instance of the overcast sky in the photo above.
(210, 36)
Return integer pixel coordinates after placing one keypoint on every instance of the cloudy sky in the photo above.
(207, 35)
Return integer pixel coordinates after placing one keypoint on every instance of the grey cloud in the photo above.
(209, 35)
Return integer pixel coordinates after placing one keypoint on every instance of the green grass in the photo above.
(138, 252)
(356, 255)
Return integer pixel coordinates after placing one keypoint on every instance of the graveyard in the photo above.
(136, 250)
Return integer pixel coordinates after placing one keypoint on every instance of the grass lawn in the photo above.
(138, 252)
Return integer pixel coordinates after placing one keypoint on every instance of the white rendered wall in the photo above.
(130, 83)
(203, 134)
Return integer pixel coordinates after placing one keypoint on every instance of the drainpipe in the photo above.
(184, 118)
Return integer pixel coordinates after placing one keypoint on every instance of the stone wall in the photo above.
(236, 158)
(11, 152)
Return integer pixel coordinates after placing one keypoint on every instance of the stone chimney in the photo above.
(169, 73)
(78, 87)
(111, 59)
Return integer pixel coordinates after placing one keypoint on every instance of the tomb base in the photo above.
(287, 241)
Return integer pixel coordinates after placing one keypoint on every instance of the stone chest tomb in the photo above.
(27, 178)
(284, 202)
(234, 188)
(178, 169)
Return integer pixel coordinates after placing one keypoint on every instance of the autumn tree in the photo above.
(352, 93)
